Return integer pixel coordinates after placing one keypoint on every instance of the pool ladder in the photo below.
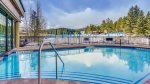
(39, 60)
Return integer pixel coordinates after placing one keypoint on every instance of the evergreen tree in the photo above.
(148, 24)
(103, 26)
(109, 25)
(92, 28)
(141, 24)
(124, 24)
(134, 23)
(87, 29)
(119, 25)
(132, 19)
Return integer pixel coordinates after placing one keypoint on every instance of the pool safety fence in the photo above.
(34, 41)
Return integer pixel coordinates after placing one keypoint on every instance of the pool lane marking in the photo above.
(95, 77)
(136, 82)
(87, 74)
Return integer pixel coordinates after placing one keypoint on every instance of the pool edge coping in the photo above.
(36, 48)
(46, 81)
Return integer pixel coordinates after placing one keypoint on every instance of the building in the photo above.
(11, 12)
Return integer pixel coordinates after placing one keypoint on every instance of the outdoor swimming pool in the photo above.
(96, 65)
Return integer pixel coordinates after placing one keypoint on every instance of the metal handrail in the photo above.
(39, 60)
(57, 53)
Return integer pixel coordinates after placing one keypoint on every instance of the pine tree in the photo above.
(119, 25)
(115, 26)
(93, 28)
(124, 24)
(87, 29)
(148, 23)
(132, 19)
(103, 26)
(141, 24)
(134, 23)
(109, 25)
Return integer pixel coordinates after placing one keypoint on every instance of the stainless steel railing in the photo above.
(39, 60)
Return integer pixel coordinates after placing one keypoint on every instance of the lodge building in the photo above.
(11, 12)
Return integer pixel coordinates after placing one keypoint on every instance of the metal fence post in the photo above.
(79, 38)
(38, 41)
(149, 39)
(56, 66)
(120, 40)
(68, 38)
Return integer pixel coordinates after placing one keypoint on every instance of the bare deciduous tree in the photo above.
(36, 25)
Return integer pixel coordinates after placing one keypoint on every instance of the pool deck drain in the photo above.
(35, 81)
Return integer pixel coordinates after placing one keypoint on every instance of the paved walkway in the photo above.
(147, 82)
(35, 81)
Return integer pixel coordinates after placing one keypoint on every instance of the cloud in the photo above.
(144, 5)
(29, 4)
(80, 13)
(80, 19)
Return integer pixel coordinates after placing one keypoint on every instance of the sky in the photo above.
(80, 13)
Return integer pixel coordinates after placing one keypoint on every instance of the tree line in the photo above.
(135, 23)
(60, 31)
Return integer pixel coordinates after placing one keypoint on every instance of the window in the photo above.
(6, 32)
(2, 33)
(9, 39)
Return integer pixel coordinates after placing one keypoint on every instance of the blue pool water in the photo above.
(97, 65)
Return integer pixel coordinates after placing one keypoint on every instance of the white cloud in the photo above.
(80, 19)
(57, 17)
(144, 5)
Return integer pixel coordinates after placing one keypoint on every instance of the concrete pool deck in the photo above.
(147, 82)
(35, 81)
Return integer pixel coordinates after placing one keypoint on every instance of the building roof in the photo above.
(19, 6)
(22, 5)
(14, 8)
